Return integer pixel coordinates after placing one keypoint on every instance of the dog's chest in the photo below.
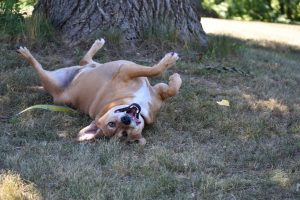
(143, 97)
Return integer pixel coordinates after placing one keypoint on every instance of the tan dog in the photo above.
(116, 94)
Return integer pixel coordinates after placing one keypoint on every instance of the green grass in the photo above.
(196, 149)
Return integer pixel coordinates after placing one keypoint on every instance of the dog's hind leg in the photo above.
(47, 79)
(88, 57)
(168, 90)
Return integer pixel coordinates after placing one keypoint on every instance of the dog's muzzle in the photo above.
(126, 119)
(132, 113)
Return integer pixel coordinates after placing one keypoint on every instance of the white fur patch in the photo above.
(143, 98)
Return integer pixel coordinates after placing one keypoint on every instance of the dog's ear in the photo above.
(89, 132)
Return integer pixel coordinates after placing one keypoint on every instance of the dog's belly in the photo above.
(96, 91)
(124, 93)
(143, 97)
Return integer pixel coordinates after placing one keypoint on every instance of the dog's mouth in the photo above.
(133, 111)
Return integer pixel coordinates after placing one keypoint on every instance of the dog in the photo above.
(117, 94)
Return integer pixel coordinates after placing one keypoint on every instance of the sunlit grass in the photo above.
(280, 177)
(12, 187)
(264, 33)
(270, 104)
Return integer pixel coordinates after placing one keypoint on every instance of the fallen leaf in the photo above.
(223, 102)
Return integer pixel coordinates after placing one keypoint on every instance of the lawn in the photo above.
(196, 149)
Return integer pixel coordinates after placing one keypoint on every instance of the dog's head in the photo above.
(119, 121)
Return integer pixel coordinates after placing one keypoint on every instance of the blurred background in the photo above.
(17, 21)
(283, 11)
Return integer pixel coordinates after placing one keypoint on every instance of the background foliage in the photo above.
(17, 23)
(264, 10)
(10, 16)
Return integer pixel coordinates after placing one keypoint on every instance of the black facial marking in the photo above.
(128, 108)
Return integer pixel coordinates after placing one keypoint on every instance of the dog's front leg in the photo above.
(168, 90)
(131, 71)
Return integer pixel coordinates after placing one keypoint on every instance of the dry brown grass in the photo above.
(12, 187)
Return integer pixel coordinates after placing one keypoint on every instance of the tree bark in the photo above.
(77, 19)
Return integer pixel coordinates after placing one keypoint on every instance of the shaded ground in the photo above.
(259, 31)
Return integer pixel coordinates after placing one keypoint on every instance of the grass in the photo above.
(196, 149)
(13, 187)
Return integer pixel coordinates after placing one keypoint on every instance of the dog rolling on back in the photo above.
(117, 94)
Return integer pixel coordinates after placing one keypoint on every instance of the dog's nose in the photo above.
(126, 119)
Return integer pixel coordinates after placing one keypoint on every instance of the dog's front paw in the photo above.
(142, 141)
(169, 59)
(175, 81)
(174, 77)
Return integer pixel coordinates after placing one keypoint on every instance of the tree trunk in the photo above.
(77, 19)
(281, 6)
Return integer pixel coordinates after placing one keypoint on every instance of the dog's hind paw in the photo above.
(24, 52)
(99, 43)
(17, 48)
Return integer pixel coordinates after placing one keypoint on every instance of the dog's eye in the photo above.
(111, 124)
